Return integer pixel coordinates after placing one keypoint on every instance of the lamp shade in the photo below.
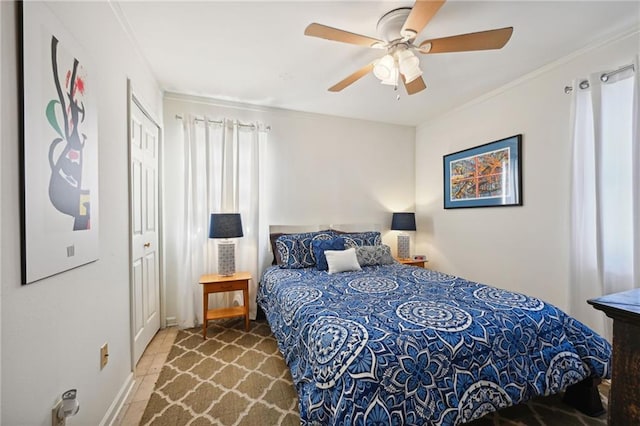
(403, 222)
(225, 225)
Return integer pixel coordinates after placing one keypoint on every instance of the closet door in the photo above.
(145, 253)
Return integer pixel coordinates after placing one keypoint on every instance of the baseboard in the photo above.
(171, 321)
(118, 402)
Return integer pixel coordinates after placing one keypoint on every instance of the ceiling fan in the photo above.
(398, 30)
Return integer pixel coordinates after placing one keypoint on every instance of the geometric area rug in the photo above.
(232, 378)
(240, 378)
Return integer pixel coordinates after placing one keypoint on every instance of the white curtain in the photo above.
(224, 170)
(605, 193)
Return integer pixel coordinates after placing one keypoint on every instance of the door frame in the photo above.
(132, 100)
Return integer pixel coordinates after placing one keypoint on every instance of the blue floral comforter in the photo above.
(400, 345)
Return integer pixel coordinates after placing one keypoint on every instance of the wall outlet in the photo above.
(55, 421)
(104, 355)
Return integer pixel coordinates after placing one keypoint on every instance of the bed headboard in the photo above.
(277, 230)
(348, 227)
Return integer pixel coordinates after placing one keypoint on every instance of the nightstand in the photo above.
(411, 262)
(214, 283)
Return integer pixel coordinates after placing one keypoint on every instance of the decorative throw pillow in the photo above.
(374, 255)
(359, 239)
(274, 249)
(294, 250)
(320, 246)
(342, 260)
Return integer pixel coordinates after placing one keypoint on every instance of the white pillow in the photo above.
(342, 260)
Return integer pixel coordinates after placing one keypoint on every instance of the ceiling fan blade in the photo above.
(421, 13)
(483, 40)
(352, 78)
(330, 33)
(414, 86)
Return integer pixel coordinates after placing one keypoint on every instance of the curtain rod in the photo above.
(604, 77)
(221, 122)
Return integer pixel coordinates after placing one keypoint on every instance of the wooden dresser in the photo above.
(624, 401)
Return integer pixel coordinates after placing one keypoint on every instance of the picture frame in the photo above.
(59, 150)
(488, 175)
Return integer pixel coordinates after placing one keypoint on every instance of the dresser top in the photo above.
(626, 304)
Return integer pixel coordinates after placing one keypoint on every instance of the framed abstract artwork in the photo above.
(488, 175)
(59, 148)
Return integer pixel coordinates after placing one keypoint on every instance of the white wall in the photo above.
(320, 169)
(52, 330)
(3, 53)
(519, 248)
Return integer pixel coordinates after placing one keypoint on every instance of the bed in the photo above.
(395, 344)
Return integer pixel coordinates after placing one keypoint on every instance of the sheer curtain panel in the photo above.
(605, 193)
(223, 174)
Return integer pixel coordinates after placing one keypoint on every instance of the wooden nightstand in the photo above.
(419, 263)
(214, 283)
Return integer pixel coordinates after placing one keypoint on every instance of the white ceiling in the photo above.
(257, 53)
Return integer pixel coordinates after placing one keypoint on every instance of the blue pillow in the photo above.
(359, 239)
(294, 250)
(319, 246)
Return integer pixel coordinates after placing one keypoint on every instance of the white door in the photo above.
(145, 262)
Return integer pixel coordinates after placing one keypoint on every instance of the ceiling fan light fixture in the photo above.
(409, 65)
(392, 80)
(407, 59)
(409, 76)
(383, 69)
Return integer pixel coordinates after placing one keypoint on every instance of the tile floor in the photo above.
(146, 374)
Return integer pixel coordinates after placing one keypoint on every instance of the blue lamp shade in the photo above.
(403, 222)
(225, 225)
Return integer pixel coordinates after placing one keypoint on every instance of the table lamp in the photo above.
(403, 222)
(225, 226)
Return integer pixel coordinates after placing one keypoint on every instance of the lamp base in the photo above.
(226, 258)
(403, 246)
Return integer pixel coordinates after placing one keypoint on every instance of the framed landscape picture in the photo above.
(488, 175)
(59, 148)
